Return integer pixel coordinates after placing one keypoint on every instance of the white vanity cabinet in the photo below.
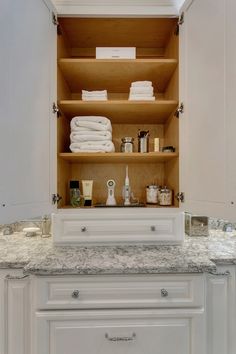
(203, 167)
(132, 314)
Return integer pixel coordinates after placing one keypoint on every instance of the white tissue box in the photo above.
(115, 53)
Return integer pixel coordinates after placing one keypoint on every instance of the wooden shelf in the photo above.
(118, 157)
(116, 75)
(122, 111)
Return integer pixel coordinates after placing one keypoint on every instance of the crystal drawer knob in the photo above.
(164, 293)
(75, 294)
(83, 229)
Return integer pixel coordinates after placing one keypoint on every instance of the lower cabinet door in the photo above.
(120, 332)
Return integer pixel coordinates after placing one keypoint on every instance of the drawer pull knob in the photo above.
(83, 229)
(164, 293)
(120, 339)
(153, 228)
(75, 294)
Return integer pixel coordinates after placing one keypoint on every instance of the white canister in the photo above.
(152, 194)
(165, 197)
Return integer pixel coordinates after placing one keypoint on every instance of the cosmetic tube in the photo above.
(87, 192)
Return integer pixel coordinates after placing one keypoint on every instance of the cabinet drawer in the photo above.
(118, 226)
(119, 291)
(120, 331)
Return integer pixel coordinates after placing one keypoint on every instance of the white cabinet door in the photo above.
(27, 71)
(203, 126)
(119, 332)
(230, 50)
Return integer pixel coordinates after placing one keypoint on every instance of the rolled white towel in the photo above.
(141, 91)
(91, 123)
(94, 93)
(141, 84)
(141, 98)
(92, 146)
(84, 136)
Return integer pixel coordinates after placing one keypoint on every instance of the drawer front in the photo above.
(117, 228)
(119, 292)
(146, 331)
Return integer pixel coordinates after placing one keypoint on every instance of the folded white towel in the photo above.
(85, 136)
(148, 91)
(91, 123)
(141, 98)
(92, 146)
(141, 84)
(94, 98)
(94, 93)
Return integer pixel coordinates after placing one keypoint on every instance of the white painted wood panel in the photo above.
(118, 8)
(27, 38)
(119, 292)
(140, 225)
(203, 124)
(18, 310)
(148, 331)
(230, 52)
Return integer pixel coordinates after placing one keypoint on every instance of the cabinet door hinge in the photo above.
(180, 197)
(56, 198)
(56, 23)
(56, 110)
(179, 110)
(179, 23)
(54, 19)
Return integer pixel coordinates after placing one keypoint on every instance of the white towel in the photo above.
(94, 93)
(91, 123)
(87, 135)
(148, 91)
(141, 98)
(94, 98)
(92, 146)
(141, 84)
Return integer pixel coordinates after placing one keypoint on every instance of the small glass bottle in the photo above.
(46, 226)
(74, 194)
(165, 196)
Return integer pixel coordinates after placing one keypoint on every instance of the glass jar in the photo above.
(152, 194)
(74, 194)
(127, 144)
(165, 197)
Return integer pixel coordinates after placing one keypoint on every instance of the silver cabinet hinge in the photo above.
(54, 19)
(56, 198)
(56, 110)
(179, 23)
(179, 110)
(180, 197)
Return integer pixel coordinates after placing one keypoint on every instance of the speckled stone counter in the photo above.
(41, 256)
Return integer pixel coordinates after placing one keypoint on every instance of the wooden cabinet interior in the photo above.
(157, 61)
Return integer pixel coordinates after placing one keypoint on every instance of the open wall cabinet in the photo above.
(202, 77)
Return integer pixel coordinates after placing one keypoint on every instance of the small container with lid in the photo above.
(127, 144)
(165, 197)
(74, 194)
(152, 192)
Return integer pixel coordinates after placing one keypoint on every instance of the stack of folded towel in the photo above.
(141, 90)
(91, 134)
(94, 95)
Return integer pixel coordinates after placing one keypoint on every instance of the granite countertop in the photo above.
(40, 256)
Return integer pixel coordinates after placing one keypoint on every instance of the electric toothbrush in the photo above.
(127, 188)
